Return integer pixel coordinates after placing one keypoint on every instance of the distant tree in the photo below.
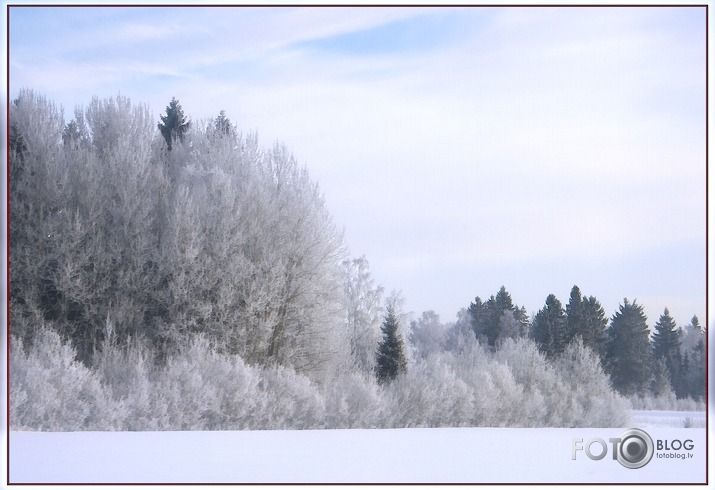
(71, 135)
(222, 124)
(17, 142)
(594, 331)
(661, 384)
(549, 328)
(629, 354)
(390, 354)
(497, 318)
(666, 346)
(427, 334)
(174, 124)
(696, 375)
(575, 315)
(693, 361)
(362, 305)
(585, 318)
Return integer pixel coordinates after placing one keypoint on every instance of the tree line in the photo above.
(138, 241)
(672, 359)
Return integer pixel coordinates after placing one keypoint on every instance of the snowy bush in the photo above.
(666, 402)
(354, 401)
(205, 390)
(590, 387)
(200, 387)
(572, 392)
(293, 400)
(50, 390)
(429, 395)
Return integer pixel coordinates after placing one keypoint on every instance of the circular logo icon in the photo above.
(636, 449)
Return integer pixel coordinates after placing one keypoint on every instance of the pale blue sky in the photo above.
(461, 149)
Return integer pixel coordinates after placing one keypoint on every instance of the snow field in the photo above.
(464, 455)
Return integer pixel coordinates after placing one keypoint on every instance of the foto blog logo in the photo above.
(633, 449)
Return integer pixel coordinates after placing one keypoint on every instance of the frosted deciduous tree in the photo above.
(581, 369)
(362, 306)
(427, 335)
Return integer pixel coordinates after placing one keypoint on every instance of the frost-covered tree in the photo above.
(362, 306)
(391, 359)
(236, 243)
(629, 358)
(427, 334)
(581, 368)
(37, 178)
(549, 328)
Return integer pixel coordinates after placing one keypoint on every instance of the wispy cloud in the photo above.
(506, 139)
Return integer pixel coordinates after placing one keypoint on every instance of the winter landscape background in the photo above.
(173, 273)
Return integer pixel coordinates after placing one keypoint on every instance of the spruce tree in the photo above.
(222, 124)
(595, 326)
(585, 318)
(629, 354)
(666, 346)
(390, 353)
(575, 321)
(497, 318)
(549, 328)
(692, 351)
(174, 124)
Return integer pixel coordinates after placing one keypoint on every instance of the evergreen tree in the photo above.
(595, 329)
(497, 318)
(174, 124)
(691, 337)
(549, 329)
(575, 315)
(692, 373)
(661, 385)
(585, 318)
(222, 124)
(390, 353)
(629, 355)
(666, 346)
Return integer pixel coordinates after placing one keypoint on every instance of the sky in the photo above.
(461, 149)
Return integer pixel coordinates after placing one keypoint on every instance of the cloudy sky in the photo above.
(461, 149)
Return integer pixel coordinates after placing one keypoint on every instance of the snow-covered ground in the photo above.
(473, 455)
(645, 419)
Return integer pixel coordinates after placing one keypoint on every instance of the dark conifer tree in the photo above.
(666, 346)
(585, 318)
(693, 372)
(390, 354)
(575, 316)
(174, 124)
(549, 328)
(222, 124)
(629, 355)
(595, 326)
(497, 318)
